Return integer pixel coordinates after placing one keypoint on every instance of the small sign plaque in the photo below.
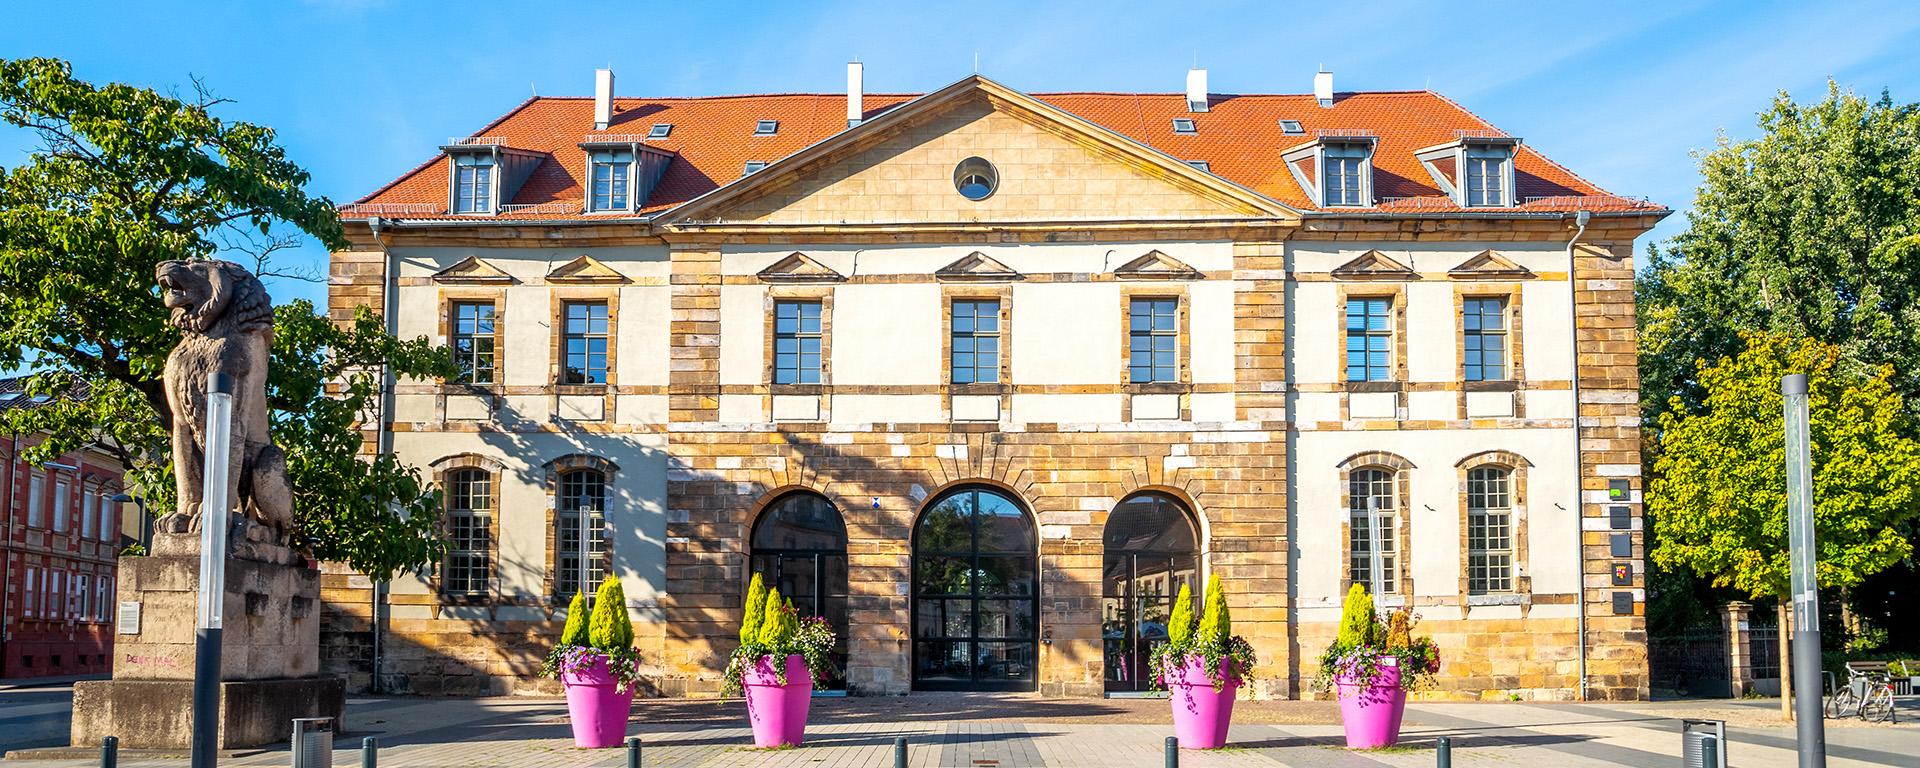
(129, 619)
(1620, 518)
(1623, 603)
(1619, 490)
(1623, 574)
(1622, 544)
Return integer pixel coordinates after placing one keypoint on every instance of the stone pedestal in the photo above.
(269, 655)
(1739, 648)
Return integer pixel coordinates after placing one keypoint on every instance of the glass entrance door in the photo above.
(1150, 554)
(800, 548)
(976, 594)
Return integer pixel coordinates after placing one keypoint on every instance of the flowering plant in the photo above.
(1365, 639)
(1212, 640)
(606, 634)
(772, 628)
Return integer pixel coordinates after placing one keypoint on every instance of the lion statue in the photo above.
(226, 324)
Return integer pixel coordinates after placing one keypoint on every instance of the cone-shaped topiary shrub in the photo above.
(756, 604)
(576, 631)
(1358, 626)
(777, 625)
(1216, 625)
(1180, 624)
(610, 628)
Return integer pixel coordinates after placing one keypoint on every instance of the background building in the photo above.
(984, 376)
(62, 537)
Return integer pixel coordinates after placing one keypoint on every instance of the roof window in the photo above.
(753, 166)
(1476, 170)
(1184, 125)
(975, 179)
(766, 127)
(660, 130)
(1201, 164)
(1291, 128)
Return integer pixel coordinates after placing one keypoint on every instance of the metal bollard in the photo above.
(633, 752)
(1173, 752)
(899, 752)
(1443, 752)
(369, 753)
(1710, 751)
(110, 752)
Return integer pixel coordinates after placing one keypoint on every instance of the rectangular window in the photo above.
(56, 587)
(1370, 500)
(660, 131)
(796, 342)
(82, 597)
(766, 127)
(1153, 341)
(1485, 324)
(1486, 176)
(109, 530)
(61, 511)
(469, 532)
(976, 341)
(102, 598)
(473, 340)
(585, 343)
(1343, 183)
(37, 502)
(1489, 531)
(473, 184)
(581, 492)
(89, 515)
(30, 593)
(1369, 339)
(610, 170)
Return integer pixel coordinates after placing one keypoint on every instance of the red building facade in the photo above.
(61, 538)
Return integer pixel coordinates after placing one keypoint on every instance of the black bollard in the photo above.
(1443, 752)
(1710, 751)
(899, 752)
(109, 752)
(369, 753)
(633, 752)
(1173, 752)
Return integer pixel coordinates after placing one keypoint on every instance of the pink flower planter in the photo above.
(778, 711)
(1371, 714)
(1200, 713)
(598, 714)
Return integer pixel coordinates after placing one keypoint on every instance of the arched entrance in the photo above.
(976, 594)
(800, 548)
(1150, 553)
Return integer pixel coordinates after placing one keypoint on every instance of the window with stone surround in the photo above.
(1484, 322)
(975, 351)
(1369, 325)
(1370, 500)
(81, 604)
(89, 513)
(796, 342)
(582, 492)
(1489, 530)
(584, 343)
(37, 501)
(1153, 340)
(469, 560)
(61, 509)
(107, 506)
(30, 593)
(473, 340)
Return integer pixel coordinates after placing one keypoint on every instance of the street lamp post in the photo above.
(213, 571)
(1806, 587)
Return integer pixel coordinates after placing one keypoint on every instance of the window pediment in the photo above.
(1156, 265)
(473, 270)
(976, 266)
(798, 267)
(587, 270)
(1488, 264)
(1374, 265)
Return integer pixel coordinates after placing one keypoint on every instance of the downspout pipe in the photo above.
(383, 437)
(6, 550)
(1579, 515)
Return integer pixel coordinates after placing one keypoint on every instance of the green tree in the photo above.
(575, 632)
(1180, 623)
(1216, 623)
(610, 629)
(1718, 502)
(1358, 625)
(777, 623)
(126, 178)
(756, 606)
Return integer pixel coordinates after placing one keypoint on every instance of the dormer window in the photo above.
(1335, 170)
(1476, 171)
(766, 128)
(473, 183)
(660, 130)
(612, 181)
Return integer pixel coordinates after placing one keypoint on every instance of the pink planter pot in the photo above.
(1371, 714)
(778, 711)
(1200, 713)
(598, 714)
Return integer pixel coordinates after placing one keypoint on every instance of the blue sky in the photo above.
(361, 90)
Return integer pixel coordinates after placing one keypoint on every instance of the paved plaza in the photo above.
(1003, 731)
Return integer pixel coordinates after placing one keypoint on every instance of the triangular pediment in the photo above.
(585, 269)
(900, 168)
(798, 267)
(473, 270)
(1488, 264)
(976, 266)
(1374, 265)
(1154, 265)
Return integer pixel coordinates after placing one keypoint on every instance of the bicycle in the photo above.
(1866, 694)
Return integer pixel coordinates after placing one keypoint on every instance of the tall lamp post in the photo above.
(213, 571)
(1806, 587)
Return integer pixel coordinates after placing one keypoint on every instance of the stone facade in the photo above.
(1255, 433)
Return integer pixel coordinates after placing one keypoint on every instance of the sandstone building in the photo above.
(983, 376)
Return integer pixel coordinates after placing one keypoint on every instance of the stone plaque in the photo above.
(128, 622)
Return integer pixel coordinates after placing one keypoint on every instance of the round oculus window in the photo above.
(975, 179)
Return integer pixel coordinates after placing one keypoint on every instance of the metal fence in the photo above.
(1691, 664)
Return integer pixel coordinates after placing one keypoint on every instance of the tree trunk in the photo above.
(1786, 658)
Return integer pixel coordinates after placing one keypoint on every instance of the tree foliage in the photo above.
(1216, 623)
(1180, 623)
(126, 178)
(610, 629)
(575, 631)
(756, 607)
(1718, 501)
(1357, 621)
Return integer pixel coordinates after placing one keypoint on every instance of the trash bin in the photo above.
(312, 743)
(1703, 744)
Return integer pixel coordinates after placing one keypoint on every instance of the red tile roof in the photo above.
(1240, 138)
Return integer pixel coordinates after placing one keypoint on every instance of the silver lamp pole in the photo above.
(1376, 570)
(1806, 585)
(213, 571)
(586, 539)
